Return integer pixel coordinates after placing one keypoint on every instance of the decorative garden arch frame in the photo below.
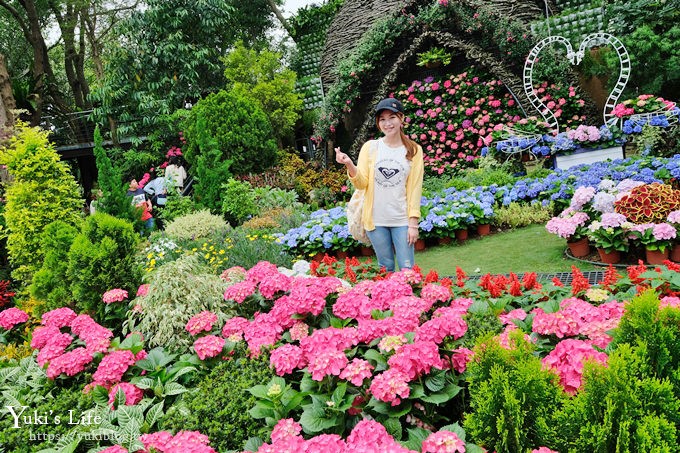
(590, 41)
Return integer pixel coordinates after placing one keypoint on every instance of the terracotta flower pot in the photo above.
(461, 235)
(484, 229)
(367, 251)
(609, 258)
(675, 253)
(444, 241)
(341, 254)
(419, 245)
(656, 256)
(579, 248)
(318, 257)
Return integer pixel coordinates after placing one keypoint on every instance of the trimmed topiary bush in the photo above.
(43, 190)
(218, 407)
(101, 258)
(199, 224)
(50, 284)
(177, 291)
(241, 129)
(513, 400)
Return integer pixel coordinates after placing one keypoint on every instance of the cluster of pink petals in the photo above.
(202, 322)
(114, 449)
(70, 363)
(417, 359)
(356, 371)
(460, 358)
(233, 274)
(133, 394)
(298, 331)
(182, 442)
(435, 293)
(61, 317)
(113, 366)
(390, 386)
(443, 442)
(115, 295)
(578, 317)
(368, 436)
(143, 290)
(567, 360)
(52, 344)
(208, 346)
(286, 359)
(517, 313)
(544, 450)
(11, 317)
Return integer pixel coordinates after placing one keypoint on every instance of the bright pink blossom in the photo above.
(208, 346)
(286, 359)
(390, 386)
(61, 317)
(329, 363)
(113, 366)
(202, 322)
(11, 317)
(70, 363)
(443, 442)
(133, 394)
(356, 371)
(115, 295)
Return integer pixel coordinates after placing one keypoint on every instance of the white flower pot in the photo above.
(587, 156)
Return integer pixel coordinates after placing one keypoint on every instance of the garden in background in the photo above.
(248, 319)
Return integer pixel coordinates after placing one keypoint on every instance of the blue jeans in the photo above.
(387, 241)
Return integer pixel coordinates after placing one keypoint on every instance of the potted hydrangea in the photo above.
(571, 225)
(610, 236)
(657, 239)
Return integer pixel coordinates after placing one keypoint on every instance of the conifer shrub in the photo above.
(50, 284)
(102, 257)
(219, 405)
(177, 291)
(43, 190)
(197, 225)
(513, 399)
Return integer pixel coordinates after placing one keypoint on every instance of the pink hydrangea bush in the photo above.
(568, 358)
(11, 317)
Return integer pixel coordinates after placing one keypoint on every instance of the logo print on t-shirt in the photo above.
(388, 172)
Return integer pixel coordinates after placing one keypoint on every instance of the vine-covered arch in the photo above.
(472, 53)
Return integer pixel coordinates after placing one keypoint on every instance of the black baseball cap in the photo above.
(390, 104)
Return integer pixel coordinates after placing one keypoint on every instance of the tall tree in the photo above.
(6, 98)
(168, 55)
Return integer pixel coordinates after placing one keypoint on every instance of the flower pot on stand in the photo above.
(484, 229)
(656, 256)
(419, 245)
(461, 235)
(579, 248)
(612, 257)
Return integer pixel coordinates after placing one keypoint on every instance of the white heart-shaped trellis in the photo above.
(595, 39)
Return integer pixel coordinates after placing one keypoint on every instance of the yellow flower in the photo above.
(221, 252)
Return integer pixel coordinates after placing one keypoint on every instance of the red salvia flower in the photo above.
(557, 282)
(461, 277)
(634, 272)
(579, 282)
(432, 276)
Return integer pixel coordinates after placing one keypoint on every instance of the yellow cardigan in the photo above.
(365, 180)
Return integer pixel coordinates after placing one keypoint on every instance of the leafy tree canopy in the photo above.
(169, 54)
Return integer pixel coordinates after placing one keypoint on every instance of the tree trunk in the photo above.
(284, 23)
(7, 103)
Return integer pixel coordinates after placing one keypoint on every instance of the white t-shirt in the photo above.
(389, 199)
(175, 175)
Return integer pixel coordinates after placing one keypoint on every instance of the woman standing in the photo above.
(390, 169)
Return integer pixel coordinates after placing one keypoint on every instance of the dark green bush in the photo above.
(50, 285)
(219, 405)
(238, 203)
(242, 131)
(101, 258)
(513, 399)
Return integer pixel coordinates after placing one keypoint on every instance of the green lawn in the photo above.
(521, 250)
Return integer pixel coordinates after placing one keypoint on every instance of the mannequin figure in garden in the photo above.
(390, 170)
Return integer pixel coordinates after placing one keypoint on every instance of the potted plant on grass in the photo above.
(610, 236)
(571, 225)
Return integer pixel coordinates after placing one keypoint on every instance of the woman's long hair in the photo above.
(411, 146)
